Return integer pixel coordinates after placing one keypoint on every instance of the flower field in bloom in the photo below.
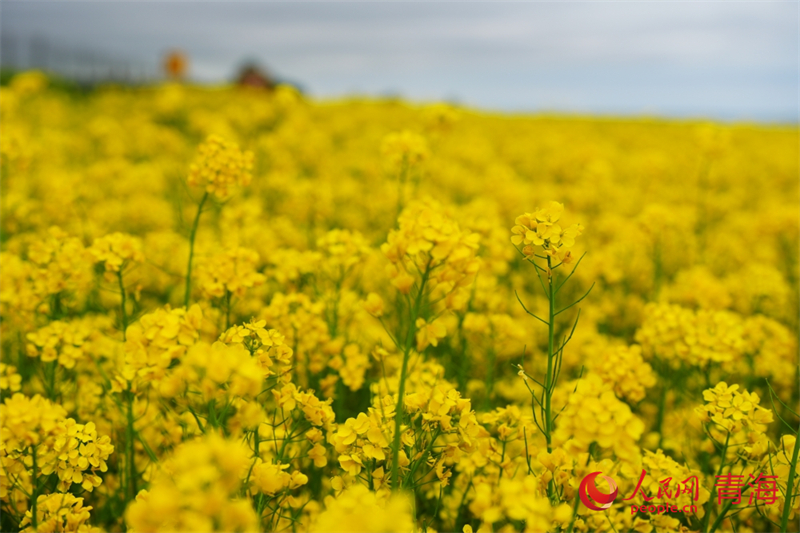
(238, 310)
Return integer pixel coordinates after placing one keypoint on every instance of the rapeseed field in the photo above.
(227, 309)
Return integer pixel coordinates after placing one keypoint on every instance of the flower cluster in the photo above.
(358, 509)
(440, 118)
(10, 380)
(541, 228)
(59, 512)
(771, 348)
(20, 299)
(519, 500)
(428, 334)
(404, 150)
(341, 250)
(80, 454)
(195, 490)
(729, 411)
(351, 366)
(315, 411)
(219, 166)
(300, 319)
(60, 263)
(157, 339)
(431, 242)
(499, 333)
(374, 305)
(623, 368)
(672, 482)
(62, 341)
(116, 250)
(29, 422)
(273, 478)
(364, 440)
(593, 414)
(39, 440)
(267, 346)
(215, 371)
(679, 335)
(230, 272)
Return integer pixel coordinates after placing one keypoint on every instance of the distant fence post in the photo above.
(81, 65)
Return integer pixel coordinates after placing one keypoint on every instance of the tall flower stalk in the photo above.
(428, 252)
(403, 153)
(192, 235)
(406, 348)
(220, 166)
(545, 245)
(116, 252)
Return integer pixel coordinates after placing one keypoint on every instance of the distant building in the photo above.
(251, 75)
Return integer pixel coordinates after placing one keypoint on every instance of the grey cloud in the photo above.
(731, 60)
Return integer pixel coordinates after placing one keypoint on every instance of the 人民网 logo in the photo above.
(593, 498)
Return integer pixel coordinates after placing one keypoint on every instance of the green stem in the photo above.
(787, 505)
(227, 310)
(549, 385)
(576, 498)
(722, 514)
(707, 517)
(56, 312)
(574, 514)
(427, 450)
(35, 492)
(212, 414)
(49, 372)
(129, 449)
(725, 509)
(658, 269)
(122, 306)
(662, 402)
(398, 415)
(370, 482)
(462, 360)
(459, 525)
(401, 181)
(489, 380)
(191, 250)
(260, 503)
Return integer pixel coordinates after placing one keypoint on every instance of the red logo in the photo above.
(588, 489)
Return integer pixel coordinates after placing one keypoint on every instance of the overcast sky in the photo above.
(730, 60)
